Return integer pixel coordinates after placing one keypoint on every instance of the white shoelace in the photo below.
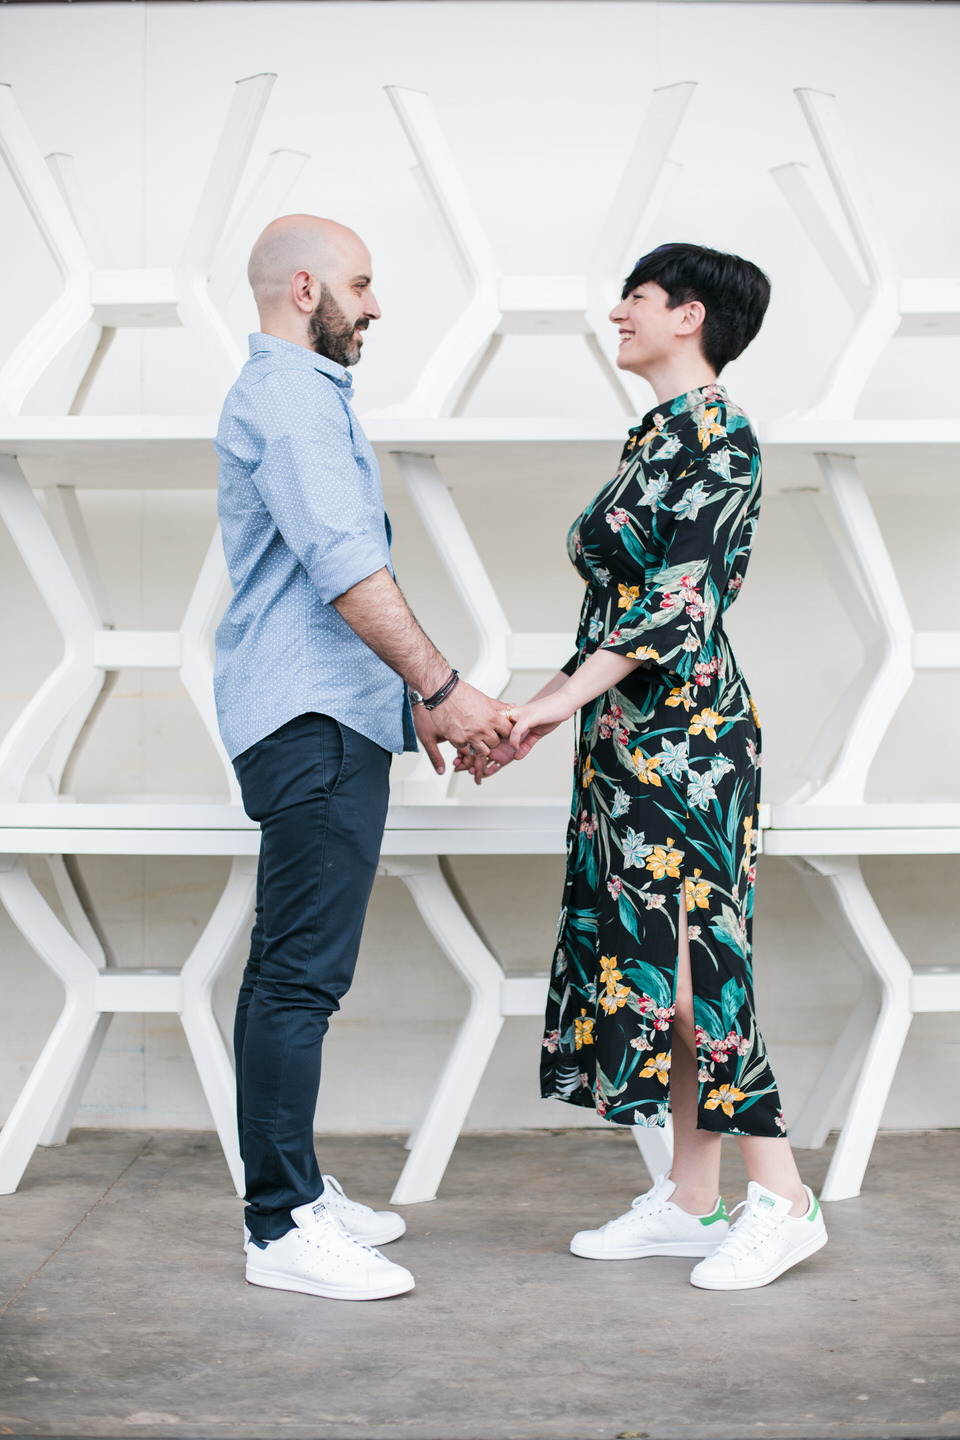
(752, 1231)
(646, 1204)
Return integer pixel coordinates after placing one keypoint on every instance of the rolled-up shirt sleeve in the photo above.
(326, 509)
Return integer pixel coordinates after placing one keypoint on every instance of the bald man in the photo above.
(318, 659)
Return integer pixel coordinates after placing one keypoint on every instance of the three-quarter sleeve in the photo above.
(704, 527)
(308, 479)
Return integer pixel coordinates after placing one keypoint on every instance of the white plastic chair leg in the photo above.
(822, 1109)
(76, 677)
(52, 1080)
(453, 1094)
(863, 932)
(845, 782)
(62, 1116)
(230, 918)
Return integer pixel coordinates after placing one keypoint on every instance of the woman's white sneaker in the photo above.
(373, 1227)
(319, 1257)
(762, 1243)
(654, 1226)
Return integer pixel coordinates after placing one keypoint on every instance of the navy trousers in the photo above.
(319, 791)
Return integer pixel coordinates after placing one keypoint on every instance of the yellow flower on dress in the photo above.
(697, 891)
(705, 723)
(614, 998)
(754, 712)
(708, 427)
(680, 695)
(629, 595)
(644, 652)
(748, 841)
(725, 1097)
(665, 860)
(646, 768)
(658, 1065)
(588, 772)
(582, 1030)
(609, 973)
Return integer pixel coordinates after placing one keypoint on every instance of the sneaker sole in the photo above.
(384, 1236)
(641, 1252)
(754, 1283)
(274, 1280)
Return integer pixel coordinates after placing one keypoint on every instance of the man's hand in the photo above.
(429, 737)
(468, 717)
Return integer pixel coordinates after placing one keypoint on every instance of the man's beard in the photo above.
(331, 333)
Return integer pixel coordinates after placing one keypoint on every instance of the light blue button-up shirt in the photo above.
(302, 518)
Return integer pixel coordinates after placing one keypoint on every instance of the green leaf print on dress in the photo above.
(666, 787)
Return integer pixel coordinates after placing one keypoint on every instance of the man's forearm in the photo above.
(377, 612)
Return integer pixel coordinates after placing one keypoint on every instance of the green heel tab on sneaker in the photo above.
(814, 1210)
(719, 1214)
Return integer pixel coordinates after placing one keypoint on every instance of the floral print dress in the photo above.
(666, 785)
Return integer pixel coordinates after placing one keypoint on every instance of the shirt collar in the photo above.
(300, 357)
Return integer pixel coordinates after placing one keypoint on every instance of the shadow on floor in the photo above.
(123, 1310)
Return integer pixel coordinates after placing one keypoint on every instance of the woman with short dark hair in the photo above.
(651, 1003)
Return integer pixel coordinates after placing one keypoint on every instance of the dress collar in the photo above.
(661, 415)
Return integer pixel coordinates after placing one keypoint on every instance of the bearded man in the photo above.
(318, 659)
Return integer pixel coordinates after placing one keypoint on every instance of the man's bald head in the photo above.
(311, 280)
(300, 242)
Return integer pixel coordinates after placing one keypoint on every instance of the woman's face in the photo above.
(650, 332)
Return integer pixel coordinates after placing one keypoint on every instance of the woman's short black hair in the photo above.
(734, 292)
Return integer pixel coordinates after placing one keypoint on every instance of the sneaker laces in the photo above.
(753, 1230)
(350, 1249)
(338, 1199)
(649, 1203)
(328, 1218)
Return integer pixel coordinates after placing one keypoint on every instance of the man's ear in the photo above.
(303, 290)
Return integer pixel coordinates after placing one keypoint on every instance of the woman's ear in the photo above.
(692, 315)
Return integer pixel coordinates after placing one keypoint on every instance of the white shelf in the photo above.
(176, 452)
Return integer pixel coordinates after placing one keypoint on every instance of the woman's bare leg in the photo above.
(769, 1161)
(696, 1153)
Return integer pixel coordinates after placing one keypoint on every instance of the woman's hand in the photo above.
(537, 718)
(482, 766)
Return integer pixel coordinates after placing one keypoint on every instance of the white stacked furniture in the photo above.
(54, 454)
(824, 827)
(827, 823)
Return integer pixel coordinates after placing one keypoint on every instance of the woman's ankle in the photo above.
(694, 1199)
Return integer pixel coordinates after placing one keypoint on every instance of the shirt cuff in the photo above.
(346, 566)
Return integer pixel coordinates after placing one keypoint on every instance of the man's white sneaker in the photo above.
(762, 1243)
(318, 1257)
(654, 1226)
(373, 1227)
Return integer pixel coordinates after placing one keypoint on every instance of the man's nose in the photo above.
(371, 309)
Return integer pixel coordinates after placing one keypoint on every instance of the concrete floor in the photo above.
(123, 1310)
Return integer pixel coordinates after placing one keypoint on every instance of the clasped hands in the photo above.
(488, 734)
